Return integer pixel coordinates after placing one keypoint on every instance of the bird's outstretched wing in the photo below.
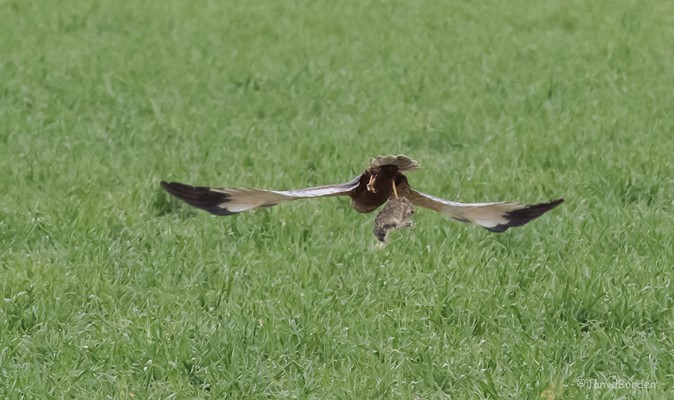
(224, 201)
(496, 217)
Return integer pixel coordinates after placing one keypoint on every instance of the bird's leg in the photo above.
(395, 192)
(370, 185)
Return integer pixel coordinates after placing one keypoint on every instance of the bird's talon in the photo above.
(370, 185)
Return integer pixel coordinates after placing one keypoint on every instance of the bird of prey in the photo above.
(384, 179)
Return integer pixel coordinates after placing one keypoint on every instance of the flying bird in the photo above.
(384, 179)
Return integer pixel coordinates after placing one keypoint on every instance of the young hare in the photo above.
(395, 215)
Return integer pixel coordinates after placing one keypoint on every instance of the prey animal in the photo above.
(385, 178)
(396, 214)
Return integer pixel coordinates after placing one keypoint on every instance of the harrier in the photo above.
(384, 179)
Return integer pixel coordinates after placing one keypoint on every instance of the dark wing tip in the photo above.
(199, 196)
(525, 214)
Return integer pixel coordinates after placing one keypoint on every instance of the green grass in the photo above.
(108, 289)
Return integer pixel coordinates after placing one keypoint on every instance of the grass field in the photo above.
(109, 289)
